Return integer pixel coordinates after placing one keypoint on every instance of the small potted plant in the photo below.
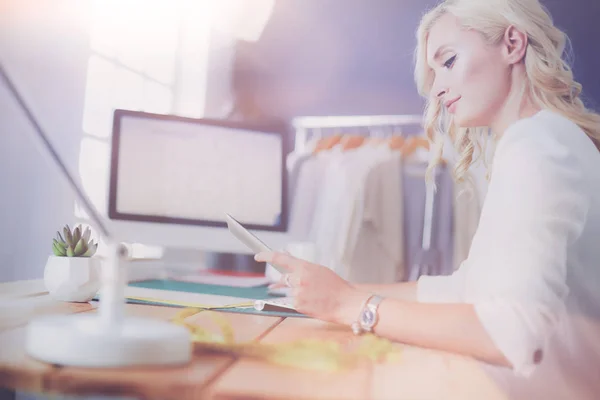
(72, 273)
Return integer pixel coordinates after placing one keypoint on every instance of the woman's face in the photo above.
(470, 77)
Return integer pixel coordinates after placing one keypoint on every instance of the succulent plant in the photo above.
(76, 243)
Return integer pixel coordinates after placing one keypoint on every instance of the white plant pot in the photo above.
(74, 279)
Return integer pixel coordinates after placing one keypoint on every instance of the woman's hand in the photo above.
(318, 291)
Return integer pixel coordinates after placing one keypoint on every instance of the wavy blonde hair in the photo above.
(550, 79)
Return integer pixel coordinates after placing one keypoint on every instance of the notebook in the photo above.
(247, 300)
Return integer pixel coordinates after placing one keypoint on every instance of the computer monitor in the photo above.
(172, 179)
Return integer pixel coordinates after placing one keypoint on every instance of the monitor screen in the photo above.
(176, 170)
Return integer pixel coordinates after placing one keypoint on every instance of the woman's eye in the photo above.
(450, 62)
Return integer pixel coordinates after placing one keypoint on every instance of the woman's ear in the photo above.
(515, 45)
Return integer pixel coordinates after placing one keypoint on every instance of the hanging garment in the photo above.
(333, 203)
(437, 259)
(294, 163)
(374, 250)
(306, 195)
(339, 218)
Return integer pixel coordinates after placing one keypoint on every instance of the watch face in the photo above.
(367, 318)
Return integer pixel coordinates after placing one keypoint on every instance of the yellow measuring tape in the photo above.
(309, 354)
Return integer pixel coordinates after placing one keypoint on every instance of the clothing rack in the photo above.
(313, 127)
(308, 128)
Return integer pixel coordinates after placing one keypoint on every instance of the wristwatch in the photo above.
(368, 316)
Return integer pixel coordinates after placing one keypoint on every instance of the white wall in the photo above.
(44, 47)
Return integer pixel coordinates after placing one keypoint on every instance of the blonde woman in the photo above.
(526, 302)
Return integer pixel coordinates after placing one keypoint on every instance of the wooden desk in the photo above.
(419, 374)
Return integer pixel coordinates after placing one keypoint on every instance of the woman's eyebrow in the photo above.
(441, 50)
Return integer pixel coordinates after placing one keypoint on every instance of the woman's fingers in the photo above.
(295, 266)
(291, 280)
(280, 259)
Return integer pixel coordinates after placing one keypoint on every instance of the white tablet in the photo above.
(244, 236)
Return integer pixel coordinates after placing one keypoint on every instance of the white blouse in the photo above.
(533, 270)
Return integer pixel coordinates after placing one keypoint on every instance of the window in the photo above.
(153, 56)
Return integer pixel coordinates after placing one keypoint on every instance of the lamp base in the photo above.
(85, 341)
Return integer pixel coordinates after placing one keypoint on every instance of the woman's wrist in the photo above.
(350, 306)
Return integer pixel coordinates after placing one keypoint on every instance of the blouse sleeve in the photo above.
(535, 208)
(442, 289)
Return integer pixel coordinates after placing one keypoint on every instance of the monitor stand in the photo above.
(234, 262)
(192, 260)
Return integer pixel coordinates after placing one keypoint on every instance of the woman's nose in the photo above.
(438, 90)
(441, 92)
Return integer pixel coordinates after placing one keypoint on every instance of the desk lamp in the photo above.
(108, 338)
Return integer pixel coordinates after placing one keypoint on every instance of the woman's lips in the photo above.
(451, 105)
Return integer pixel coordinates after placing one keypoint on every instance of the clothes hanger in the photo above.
(412, 144)
(396, 142)
(350, 142)
(416, 142)
(327, 143)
